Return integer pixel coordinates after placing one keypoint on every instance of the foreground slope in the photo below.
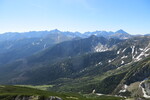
(24, 93)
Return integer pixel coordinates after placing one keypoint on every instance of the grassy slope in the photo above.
(111, 78)
(9, 92)
(88, 84)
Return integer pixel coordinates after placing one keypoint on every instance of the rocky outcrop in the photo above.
(147, 87)
(35, 98)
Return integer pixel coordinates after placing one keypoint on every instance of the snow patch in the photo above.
(93, 91)
(124, 88)
(109, 61)
(132, 47)
(101, 48)
(141, 49)
(122, 62)
(124, 57)
(118, 52)
(100, 63)
(124, 50)
(133, 50)
(143, 53)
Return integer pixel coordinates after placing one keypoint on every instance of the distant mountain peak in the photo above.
(93, 36)
(55, 30)
(121, 31)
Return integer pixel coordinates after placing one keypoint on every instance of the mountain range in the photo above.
(115, 63)
(121, 34)
(28, 43)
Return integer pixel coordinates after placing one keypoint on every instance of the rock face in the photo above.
(147, 87)
(25, 98)
(35, 98)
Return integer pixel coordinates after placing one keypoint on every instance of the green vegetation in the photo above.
(8, 92)
(139, 71)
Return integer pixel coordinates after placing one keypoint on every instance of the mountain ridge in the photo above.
(33, 34)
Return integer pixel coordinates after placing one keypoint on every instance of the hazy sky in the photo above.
(132, 16)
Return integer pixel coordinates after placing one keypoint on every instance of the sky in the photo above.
(133, 16)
